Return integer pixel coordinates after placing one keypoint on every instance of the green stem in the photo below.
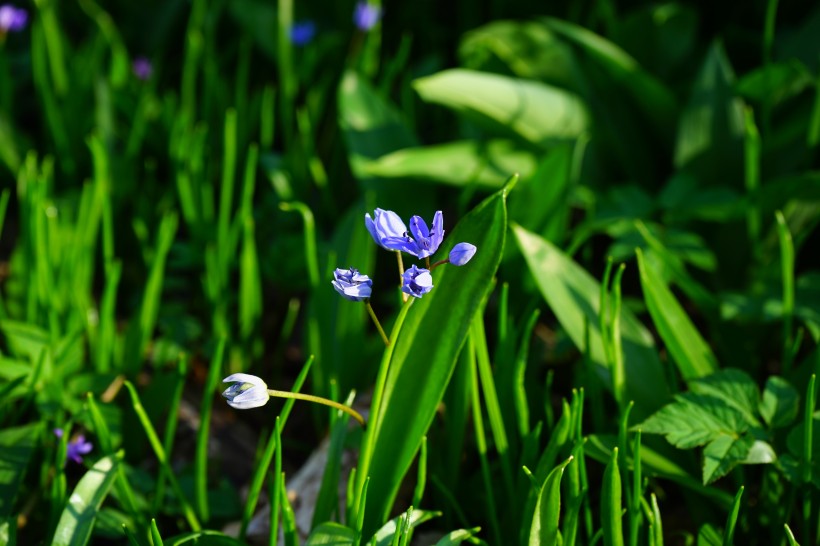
(438, 263)
(319, 400)
(376, 322)
(401, 275)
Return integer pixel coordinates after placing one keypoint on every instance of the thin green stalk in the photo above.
(656, 530)
(273, 539)
(731, 522)
(159, 451)
(806, 462)
(618, 370)
(752, 176)
(201, 453)
(288, 517)
(787, 273)
(637, 491)
(360, 513)
(376, 322)
(611, 524)
(170, 430)
(258, 479)
(319, 400)
(310, 239)
(369, 439)
(481, 445)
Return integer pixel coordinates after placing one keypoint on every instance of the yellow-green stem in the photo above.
(319, 400)
(376, 322)
(401, 275)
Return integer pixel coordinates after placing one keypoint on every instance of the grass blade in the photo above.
(611, 524)
(201, 454)
(544, 529)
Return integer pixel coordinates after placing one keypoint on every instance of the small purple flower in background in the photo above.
(12, 19)
(417, 281)
(386, 225)
(424, 242)
(302, 32)
(462, 253)
(351, 284)
(366, 15)
(76, 448)
(142, 68)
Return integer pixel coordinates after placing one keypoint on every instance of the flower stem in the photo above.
(401, 275)
(319, 400)
(376, 322)
(440, 262)
(427, 262)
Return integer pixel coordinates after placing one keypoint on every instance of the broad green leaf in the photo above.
(780, 402)
(425, 353)
(688, 349)
(331, 534)
(536, 112)
(775, 82)
(544, 529)
(23, 339)
(462, 163)
(457, 537)
(722, 454)
(16, 447)
(384, 536)
(77, 519)
(735, 388)
(711, 128)
(695, 419)
(574, 297)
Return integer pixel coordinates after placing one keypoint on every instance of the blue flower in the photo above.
(247, 391)
(12, 19)
(424, 242)
(366, 15)
(462, 253)
(76, 448)
(351, 284)
(142, 68)
(417, 281)
(302, 32)
(386, 225)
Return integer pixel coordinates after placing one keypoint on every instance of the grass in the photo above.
(629, 358)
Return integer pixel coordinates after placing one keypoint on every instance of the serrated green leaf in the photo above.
(425, 353)
(722, 454)
(688, 349)
(780, 402)
(16, 447)
(536, 112)
(331, 533)
(735, 388)
(77, 519)
(694, 420)
(574, 297)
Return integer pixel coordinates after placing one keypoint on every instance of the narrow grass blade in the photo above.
(170, 429)
(201, 454)
(159, 451)
(288, 517)
(691, 353)
(421, 477)
(155, 536)
(656, 529)
(787, 272)
(611, 524)
(790, 535)
(731, 521)
(275, 503)
(77, 520)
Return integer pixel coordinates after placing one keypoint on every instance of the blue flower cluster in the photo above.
(365, 17)
(420, 241)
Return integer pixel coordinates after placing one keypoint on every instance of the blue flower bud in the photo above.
(462, 253)
(351, 284)
(385, 224)
(247, 391)
(417, 281)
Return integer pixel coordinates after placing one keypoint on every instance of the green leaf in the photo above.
(331, 534)
(688, 349)
(611, 502)
(16, 447)
(711, 128)
(709, 536)
(203, 538)
(544, 529)
(694, 420)
(780, 402)
(384, 536)
(722, 454)
(536, 112)
(574, 297)
(77, 519)
(775, 82)
(462, 163)
(733, 387)
(425, 353)
(457, 537)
